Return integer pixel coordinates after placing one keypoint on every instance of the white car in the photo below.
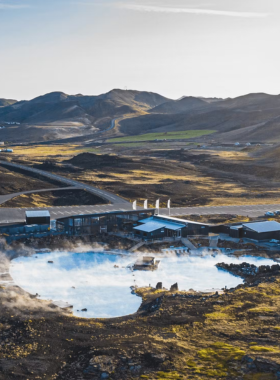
(269, 213)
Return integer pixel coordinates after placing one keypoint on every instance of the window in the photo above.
(78, 222)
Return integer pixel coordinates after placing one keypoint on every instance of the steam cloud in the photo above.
(90, 280)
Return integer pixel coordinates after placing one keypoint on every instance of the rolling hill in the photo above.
(180, 106)
(7, 102)
(59, 116)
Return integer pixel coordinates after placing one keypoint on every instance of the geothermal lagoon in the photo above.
(100, 282)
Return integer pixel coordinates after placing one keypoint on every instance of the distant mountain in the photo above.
(211, 100)
(182, 105)
(59, 116)
(249, 118)
(6, 102)
(252, 101)
(58, 106)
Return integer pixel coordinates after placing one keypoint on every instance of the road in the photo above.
(112, 198)
(15, 215)
(244, 210)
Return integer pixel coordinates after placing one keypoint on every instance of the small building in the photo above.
(147, 263)
(261, 230)
(266, 230)
(93, 224)
(160, 226)
(38, 217)
(153, 228)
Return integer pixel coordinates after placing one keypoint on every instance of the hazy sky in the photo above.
(174, 47)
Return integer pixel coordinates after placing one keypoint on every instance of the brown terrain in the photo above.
(14, 182)
(189, 176)
(55, 198)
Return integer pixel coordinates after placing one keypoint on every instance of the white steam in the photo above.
(90, 280)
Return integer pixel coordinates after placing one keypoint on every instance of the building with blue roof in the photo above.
(158, 227)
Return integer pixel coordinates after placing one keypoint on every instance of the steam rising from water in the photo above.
(89, 280)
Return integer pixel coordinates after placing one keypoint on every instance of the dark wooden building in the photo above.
(160, 226)
(38, 217)
(93, 224)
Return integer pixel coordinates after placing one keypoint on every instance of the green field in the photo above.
(180, 135)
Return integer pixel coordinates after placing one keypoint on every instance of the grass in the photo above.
(216, 315)
(262, 310)
(180, 135)
(169, 375)
(221, 352)
(45, 151)
(263, 349)
(216, 359)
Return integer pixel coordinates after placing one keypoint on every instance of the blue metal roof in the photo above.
(154, 225)
(151, 219)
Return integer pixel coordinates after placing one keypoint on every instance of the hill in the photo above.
(6, 102)
(59, 116)
(180, 106)
(253, 117)
(58, 106)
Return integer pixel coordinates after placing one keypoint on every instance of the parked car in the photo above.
(269, 213)
(277, 212)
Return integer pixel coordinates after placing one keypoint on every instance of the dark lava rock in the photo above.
(155, 359)
(174, 287)
(159, 286)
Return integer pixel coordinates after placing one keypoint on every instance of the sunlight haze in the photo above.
(219, 48)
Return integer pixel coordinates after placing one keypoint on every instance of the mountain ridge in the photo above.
(57, 115)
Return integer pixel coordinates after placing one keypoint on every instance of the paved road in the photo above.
(94, 190)
(15, 215)
(118, 204)
(5, 198)
(245, 210)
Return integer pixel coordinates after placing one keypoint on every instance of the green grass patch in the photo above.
(169, 375)
(261, 310)
(191, 364)
(216, 359)
(128, 145)
(180, 135)
(216, 315)
(263, 349)
(222, 352)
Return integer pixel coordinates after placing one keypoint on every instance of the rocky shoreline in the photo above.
(250, 271)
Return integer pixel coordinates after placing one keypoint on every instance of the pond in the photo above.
(91, 280)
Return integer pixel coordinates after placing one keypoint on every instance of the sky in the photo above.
(211, 48)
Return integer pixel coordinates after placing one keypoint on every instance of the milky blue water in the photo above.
(89, 280)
